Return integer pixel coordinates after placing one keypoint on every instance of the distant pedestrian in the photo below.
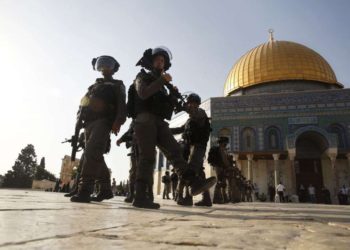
(174, 181)
(312, 193)
(256, 191)
(167, 185)
(280, 191)
(326, 196)
(272, 192)
(302, 193)
(343, 195)
(114, 186)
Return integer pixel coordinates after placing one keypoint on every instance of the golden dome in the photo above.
(276, 61)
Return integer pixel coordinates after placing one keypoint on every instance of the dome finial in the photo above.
(271, 38)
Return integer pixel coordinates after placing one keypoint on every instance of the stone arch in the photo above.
(292, 139)
(340, 133)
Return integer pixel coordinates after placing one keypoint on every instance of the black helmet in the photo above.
(194, 98)
(223, 139)
(149, 54)
(105, 62)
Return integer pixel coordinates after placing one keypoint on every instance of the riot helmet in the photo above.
(105, 62)
(223, 140)
(147, 59)
(193, 97)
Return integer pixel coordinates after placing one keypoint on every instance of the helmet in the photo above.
(194, 98)
(103, 62)
(149, 54)
(223, 139)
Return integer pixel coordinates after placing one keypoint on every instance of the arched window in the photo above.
(272, 137)
(341, 135)
(248, 142)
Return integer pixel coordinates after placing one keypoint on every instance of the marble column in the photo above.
(250, 166)
(333, 159)
(276, 158)
(293, 174)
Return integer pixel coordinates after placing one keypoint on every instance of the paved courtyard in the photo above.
(40, 220)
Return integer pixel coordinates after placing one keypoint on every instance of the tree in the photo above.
(41, 173)
(23, 170)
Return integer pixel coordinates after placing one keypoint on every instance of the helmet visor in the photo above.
(105, 63)
(162, 49)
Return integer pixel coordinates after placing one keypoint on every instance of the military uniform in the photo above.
(150, 128)
(151, 106)
(129, 140)
(219, 159)
(103, 104)
(174, 182)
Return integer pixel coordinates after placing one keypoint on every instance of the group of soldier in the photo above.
(152, 99)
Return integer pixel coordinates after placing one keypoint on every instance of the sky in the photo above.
(46, 48)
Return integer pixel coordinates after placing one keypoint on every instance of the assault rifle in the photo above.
(74, 141)
(178, 100)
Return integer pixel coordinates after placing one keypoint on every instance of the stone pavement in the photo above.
(40, 220)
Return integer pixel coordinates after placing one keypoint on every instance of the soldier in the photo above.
(104, 110)
(153, 104)
(195, 135)
(174, 181)
(129, 141)
(219, 159)
(249, 191)
(167, 184)
(232, 175)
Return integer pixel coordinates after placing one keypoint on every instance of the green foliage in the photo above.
(41, 173)
(26, 169)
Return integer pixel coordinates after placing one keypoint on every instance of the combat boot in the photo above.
(187, 201)
(206, 201)
(197, 185)
(218, 199)
(142, 199)
(105, 193)
(71, 193)
(225, 197)
(83, 194)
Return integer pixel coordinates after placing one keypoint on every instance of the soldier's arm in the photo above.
(144, 90)
(121, 105)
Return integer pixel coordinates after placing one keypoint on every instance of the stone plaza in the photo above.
(46, 220)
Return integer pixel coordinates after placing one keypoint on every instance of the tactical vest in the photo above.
(158, 104)
(100, 100)
(195, 134)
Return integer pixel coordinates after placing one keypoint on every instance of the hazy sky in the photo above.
(46, 49)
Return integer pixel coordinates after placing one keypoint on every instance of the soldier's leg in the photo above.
(172, 150)
(146, 138)
(218, 194)
(174, 186)
(196, 158)
(132, 177)
(96, 136)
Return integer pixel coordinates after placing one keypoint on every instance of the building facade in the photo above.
(67, 169)
(287, 119)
